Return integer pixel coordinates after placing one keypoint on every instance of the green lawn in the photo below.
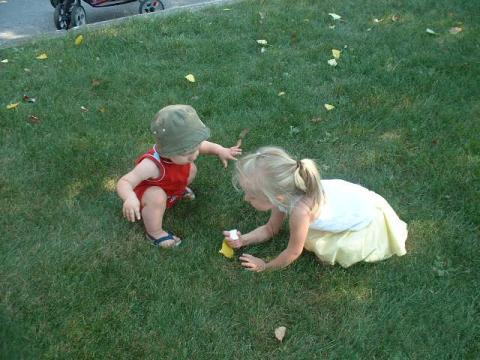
(78, 281)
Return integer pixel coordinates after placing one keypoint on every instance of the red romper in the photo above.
(173, 179)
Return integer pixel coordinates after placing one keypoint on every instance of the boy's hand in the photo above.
(226, 154)
(131, 208)
(235, 244)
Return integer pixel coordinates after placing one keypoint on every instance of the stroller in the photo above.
(70, 13)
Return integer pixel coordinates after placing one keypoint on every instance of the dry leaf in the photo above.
(34, 119)
(332, 62)
(79, 40)
(96, 82)
(83, 108)
(227, 9)
(455, 30)
(336, 53)
(329, 107)
(190, 78)
(262, 50)
(226, 250)
(4, 61)
(102, 110)
(395, 18)
(27, 70)
(12, 106)
(262, 42)
(377, 20)
(242, 135)
(281, 93)
(29, 99)
(42, 56)
(280, 333)
(430, 31)
(335, 16)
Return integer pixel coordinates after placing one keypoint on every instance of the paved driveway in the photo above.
(21, 19)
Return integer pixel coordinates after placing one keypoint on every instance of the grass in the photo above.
(78, 281)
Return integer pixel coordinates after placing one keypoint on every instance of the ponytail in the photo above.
(307, 179)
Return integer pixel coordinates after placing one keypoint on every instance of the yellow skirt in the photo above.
(382, 238)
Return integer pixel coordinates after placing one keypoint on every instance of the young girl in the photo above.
(337, 220)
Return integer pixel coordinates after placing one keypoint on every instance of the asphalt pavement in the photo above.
(23, 19)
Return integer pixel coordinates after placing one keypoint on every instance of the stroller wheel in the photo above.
(149, 6)
(79, 16)
(60, 17)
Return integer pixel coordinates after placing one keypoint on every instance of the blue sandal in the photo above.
(158, 242)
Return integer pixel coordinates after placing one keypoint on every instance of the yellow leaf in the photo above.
(281, 93)
(332, 62)
(280, 333)
(329, 107)
(262, 42)
(336, 53)
(430, 31)
(42, 56)
(12, 106)
(79, 40)
(455, 30)
(335, 16)
(4, 61)
(226, 250)
(190, 78)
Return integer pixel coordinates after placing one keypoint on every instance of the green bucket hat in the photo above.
(178, 130)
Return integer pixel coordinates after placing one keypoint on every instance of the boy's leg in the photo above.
(154, 202)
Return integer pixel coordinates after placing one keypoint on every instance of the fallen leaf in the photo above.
(332, 62)
(12, 106)
(455, 30)
(33, 119)
(281, 93)
(190, 78)
(242, 135)
(377, 20)
(79, 40)
(102, 110)
(336, 53)
(262, 50)
(96, 82)
(227, 9)
(29, 99)
(335, 16)
(430, 31)
(329, 107)
(42, 56)
(262, 42)
(395, 18)
(27, 70)
(331, 27)
(83, 108)
(262, 15)
(280, 333)
(5, 61)
(226, 250)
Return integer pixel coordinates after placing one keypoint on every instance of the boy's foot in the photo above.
(188, 194)
(167, 241)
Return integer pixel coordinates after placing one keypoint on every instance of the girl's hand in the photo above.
(226, 154)
(131, 208)
(252, 263)
(235, 244)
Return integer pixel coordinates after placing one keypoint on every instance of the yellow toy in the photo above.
(226, 250)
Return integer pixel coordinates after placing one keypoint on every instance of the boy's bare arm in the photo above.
(225, 154)
(146, 169)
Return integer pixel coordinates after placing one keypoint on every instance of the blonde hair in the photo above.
(271, 172)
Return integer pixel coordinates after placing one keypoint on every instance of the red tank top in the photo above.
(173, 177)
